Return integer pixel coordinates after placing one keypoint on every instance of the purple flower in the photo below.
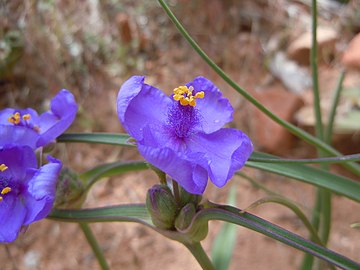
(26, 127)
(27, 193)
(182, 135)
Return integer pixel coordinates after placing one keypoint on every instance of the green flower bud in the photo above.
(161, 205)
(70, 191)
(199, 229)
(186, 197)
(183, 220)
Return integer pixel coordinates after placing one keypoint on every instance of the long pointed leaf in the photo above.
(233, 215)
(129, 213)
(110, 169)
(104, 138)
(339, 184)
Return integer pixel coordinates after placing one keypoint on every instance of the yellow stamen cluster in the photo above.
(16, 118)
(5, 190)
(185, 95)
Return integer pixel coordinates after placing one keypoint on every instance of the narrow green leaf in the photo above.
(225, 240)
(262, 157)
(125, 140)
(314, 176)
(110, 169)
(128, 213)
(104, 138)
(234, 215)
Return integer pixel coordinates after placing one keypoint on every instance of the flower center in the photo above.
(22, 120)
(6, 189)
(185, 95)
(182, 115)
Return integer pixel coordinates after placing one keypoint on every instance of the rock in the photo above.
(267, 134)
(294, 77)
(351, 57)
(299, 49)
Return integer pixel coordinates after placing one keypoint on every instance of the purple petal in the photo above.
(227, 150)
(8, 112)
(215, 111)
(18, 159)
(12, 215)
(63, 109)
(191, 176)
(19, 135)
(139, 105)
(41, 191)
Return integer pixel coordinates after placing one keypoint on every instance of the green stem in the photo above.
(290, 127)
(326, 199)
(334, 104)
(326, 215)
(198, 252)
(94, 245)
(315, 76)
(322, 209)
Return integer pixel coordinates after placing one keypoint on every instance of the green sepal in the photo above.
(185, 216)
(162, 207)
(186, 197)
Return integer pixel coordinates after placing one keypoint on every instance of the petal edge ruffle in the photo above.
(139, 105)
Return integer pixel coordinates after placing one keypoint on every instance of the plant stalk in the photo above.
(198, 252)
(94, 245)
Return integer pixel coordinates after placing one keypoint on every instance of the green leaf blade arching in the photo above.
(110, 169)
(125, 213)
(339, 184)
(103, 138)
(252, 222)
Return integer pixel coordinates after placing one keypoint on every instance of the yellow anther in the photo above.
(15, 118)
(185, 95)
(3, 167)
(200, 94)
(5, 190)
(184, 101)
(26, 116)
(1, 198)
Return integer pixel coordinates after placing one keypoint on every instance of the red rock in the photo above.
(299, 49)
(351, 57)
(266, 134)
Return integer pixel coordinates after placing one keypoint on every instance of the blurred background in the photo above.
(91, 47)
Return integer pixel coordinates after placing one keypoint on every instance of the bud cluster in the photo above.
(167, 213)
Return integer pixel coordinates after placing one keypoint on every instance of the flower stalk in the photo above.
(198, 252)
(94, 245)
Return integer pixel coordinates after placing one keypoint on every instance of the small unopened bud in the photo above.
(184, 218)
(186, 197)
(161, 205)
(70, 192)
